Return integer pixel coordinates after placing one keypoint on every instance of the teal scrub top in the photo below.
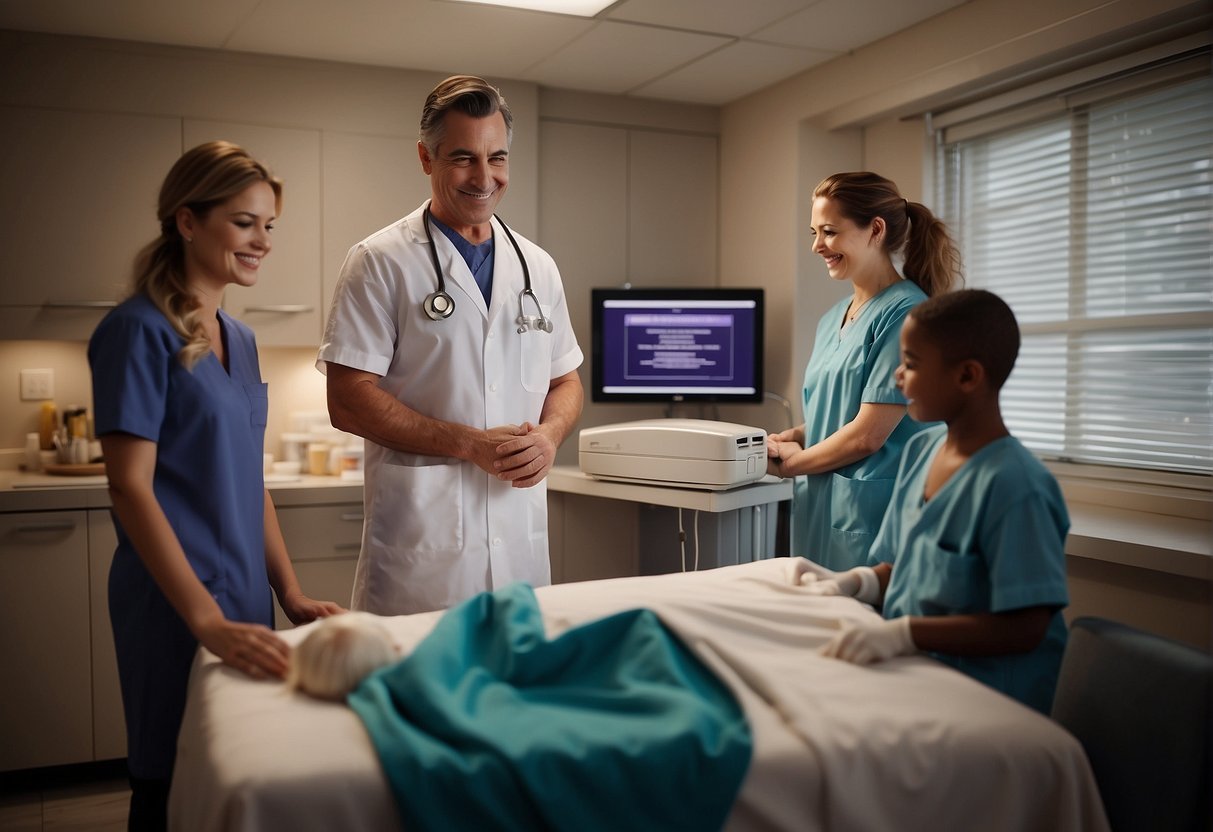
(992, 539)
(835, 515)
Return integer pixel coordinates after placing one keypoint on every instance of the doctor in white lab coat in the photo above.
(462, 411)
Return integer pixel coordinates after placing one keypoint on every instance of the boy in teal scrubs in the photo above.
(969, 563)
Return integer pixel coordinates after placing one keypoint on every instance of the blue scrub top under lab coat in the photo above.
(992, 539)
(835, 515)
(209, 427)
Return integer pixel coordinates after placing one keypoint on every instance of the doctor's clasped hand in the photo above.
(525, 459)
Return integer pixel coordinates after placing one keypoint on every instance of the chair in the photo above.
(1140, 705)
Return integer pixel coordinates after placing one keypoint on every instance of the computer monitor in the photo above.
(676, 345)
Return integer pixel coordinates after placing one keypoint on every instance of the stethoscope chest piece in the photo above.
(438, 305)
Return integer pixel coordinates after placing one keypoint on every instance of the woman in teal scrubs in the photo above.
(844, 457)
(181, 411)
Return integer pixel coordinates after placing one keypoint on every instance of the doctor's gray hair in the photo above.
(468, 94)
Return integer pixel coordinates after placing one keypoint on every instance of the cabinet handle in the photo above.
(353, 517)
(45, 527)
(281, 308)
(80, 304)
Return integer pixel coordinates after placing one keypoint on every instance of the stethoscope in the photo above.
(439, 305)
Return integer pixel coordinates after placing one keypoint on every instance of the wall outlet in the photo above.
(37, 385)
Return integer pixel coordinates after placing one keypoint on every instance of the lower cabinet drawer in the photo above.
(323, 542)
(322, 532)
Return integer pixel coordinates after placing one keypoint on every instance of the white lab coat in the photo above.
(436, 530)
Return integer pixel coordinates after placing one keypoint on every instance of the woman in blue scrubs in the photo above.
(181, 411)
(844, 457)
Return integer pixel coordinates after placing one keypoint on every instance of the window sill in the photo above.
(1164, 543)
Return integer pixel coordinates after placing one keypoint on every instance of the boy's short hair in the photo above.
(972, 324)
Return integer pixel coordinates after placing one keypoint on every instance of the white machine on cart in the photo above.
(689, 453)
(711, 468)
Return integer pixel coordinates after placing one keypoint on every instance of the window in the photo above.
(1090, 211)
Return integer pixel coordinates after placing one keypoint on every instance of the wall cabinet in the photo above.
(369, 183)
(284, 306)
(45, 699)
(80, 198)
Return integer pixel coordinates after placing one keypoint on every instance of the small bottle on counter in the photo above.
(48, 421)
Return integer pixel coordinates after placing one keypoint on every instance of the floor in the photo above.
(86, 798)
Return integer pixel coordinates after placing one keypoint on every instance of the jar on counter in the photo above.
(33, 452)
(75, 419)
(318, 458)
(349, 462)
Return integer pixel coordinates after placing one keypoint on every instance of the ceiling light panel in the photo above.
(582, 8)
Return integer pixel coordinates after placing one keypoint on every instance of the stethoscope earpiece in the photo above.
(439, 305)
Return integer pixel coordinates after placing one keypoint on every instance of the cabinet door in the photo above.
(662, 252)
(79, 201)
(45, 698)
(109, 724)
(284, 307)
(369, 183)
(323, 542)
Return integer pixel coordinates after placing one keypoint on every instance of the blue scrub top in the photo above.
(992, 539)
(209, 426)
(835, 515)
(479, 258)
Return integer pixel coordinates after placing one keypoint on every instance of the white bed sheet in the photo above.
(908, 744)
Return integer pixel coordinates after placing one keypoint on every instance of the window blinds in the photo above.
(1092, 216)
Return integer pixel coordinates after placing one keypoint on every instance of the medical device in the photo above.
(439, 305)
(676, 345)
(690, 453)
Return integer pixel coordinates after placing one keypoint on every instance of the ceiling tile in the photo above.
(411, 34)
(154, 21)
(617, 57)
(842, 25)
(733, 72)
(728, 18)
(683, 49)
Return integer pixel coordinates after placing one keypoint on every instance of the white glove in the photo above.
(872, 641)
(859, 583)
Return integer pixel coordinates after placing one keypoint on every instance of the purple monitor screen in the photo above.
(677, 345)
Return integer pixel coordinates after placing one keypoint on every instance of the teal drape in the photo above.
(614, 725)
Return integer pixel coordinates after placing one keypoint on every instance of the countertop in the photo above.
(40, 492)
(1175, 545)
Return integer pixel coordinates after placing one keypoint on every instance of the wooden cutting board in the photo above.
(88, 469)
